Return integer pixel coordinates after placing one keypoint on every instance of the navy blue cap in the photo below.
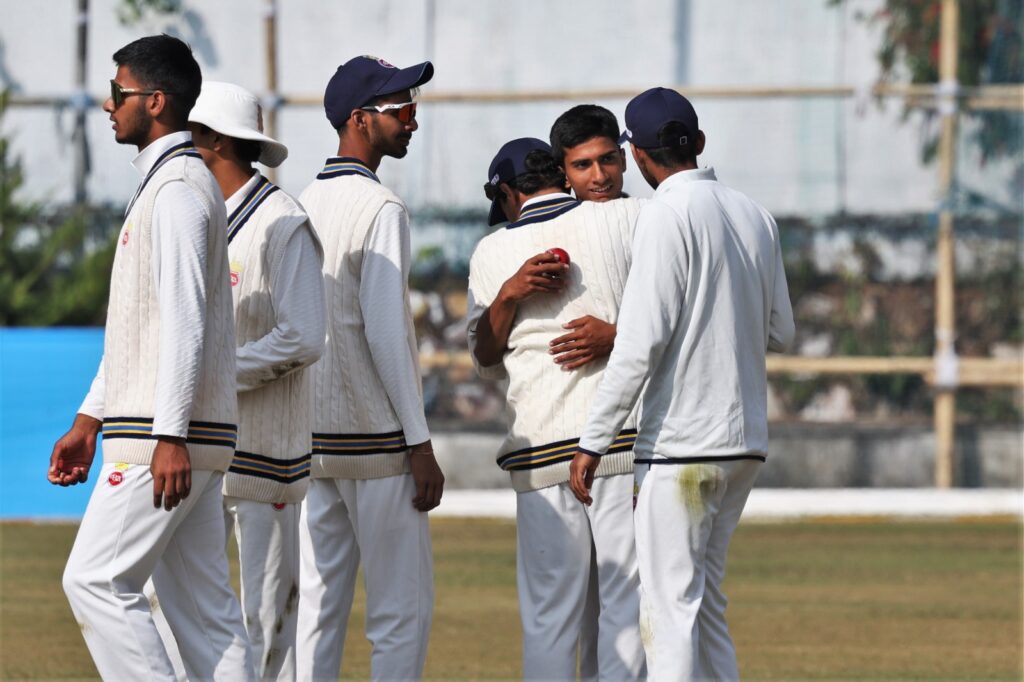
(648, 112)
(360, 79)
(508, 163)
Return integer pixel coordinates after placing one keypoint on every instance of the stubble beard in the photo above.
(141, 124)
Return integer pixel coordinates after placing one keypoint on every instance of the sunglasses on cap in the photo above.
(406, 110)
(118, 94)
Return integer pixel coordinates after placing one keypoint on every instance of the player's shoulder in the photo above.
(285, 204)
(492, 241)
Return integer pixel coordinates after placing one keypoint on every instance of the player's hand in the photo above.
(589, 339)
(427, 476)
(581, 476)
(73, 453)
(540, 274)
(172, 472)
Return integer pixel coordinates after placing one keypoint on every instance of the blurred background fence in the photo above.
(887, 136)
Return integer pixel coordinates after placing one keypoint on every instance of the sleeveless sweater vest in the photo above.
(271, 463)
(132, 338)
(356, 432)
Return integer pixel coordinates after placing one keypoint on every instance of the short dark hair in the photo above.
(165, 63)
(541, 173)
(679, 146)
(581, 123)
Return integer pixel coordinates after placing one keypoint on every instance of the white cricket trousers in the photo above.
(122, 541)
(557, 540)
(685, 516)
(268, 551)
(345, 523)
(268, 560)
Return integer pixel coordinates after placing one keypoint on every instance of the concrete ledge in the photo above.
(779, 504)
(808, 455)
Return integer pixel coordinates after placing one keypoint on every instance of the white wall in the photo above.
(810, 156)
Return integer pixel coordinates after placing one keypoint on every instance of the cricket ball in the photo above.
(560, 254)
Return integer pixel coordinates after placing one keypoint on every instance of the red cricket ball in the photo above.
(560, 254)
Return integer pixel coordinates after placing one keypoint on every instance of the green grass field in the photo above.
(826, 600)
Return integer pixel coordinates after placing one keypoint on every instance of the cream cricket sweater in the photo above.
(548, 405)
(368, 405)
(271, 462)
(132, 338)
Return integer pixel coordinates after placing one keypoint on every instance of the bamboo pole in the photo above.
(81, 101)
(272, 99)
(972, 371)
(980, 98)
(946, 369)
(926, 95)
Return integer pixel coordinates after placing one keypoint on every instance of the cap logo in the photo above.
(629, 133)
(382, 62)
(494, 180)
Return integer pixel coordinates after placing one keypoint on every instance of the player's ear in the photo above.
(217, 141)
(358, 119)
(637, 153)
(156, 103)
(698, 147)
(622, 158)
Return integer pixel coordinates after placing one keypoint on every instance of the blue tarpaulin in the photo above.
(44, 375)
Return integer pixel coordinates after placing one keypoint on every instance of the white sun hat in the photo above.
(232, 110)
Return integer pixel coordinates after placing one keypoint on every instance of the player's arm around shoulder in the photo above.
(482, 287)
(540, 274)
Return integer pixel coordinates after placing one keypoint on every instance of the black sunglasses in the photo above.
(118, 94)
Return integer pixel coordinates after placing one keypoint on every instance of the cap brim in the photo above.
(496, 214)
(407, 79)
(624, 138)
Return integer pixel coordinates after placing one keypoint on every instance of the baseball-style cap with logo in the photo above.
(509, 162)
(648, 112)
(360, 79)
(232, 110)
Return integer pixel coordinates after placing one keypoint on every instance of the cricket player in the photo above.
(164, 397)
(374, 474)
(278, 293)
(706, 297)
(519, 297)
(585, 143)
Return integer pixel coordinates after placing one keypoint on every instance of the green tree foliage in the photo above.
(48, 273)
(991, 51)
(131, 11)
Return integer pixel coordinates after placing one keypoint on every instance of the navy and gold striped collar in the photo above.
(541, 211)
(263, 189)
(180, 149)
(337, 166)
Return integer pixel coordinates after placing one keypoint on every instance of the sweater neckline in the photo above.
(336, 166)
(542, 211)
(182, 149)
(238, 218)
